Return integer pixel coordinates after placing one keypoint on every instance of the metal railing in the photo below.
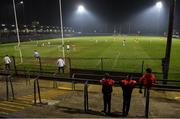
(86, 106)
(45, 64)
(9, 83)
(86, 82)
(27, 77)
(55, 85)
(37, 89)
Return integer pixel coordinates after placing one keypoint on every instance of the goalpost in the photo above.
(62, 33)
(17, 32)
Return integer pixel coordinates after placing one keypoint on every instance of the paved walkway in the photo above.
(66, 103)
(23, 102)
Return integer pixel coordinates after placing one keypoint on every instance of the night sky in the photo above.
(101, 12)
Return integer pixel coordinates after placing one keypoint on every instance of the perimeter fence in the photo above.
(46, 64)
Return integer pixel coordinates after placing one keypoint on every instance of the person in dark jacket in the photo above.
(107, 84)
(127, 86)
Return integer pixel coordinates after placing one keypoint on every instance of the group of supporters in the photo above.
(147, 80)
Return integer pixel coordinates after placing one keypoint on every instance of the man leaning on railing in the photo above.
(147, 80)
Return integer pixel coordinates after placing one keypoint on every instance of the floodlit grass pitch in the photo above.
(103, 47)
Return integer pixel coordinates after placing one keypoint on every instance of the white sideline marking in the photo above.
(98, 63)
(116, 59)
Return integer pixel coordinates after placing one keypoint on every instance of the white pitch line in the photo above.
(116, 59)
(98, 63)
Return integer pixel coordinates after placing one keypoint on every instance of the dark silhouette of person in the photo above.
(127, 86)
(107, 84)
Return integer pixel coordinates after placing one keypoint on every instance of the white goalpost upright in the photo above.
(17, 32)
(62, 32)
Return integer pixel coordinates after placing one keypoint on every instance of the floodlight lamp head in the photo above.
(21, 2)
(81, 9)
(159, 5)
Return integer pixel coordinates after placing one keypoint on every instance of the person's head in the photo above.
(149, 70)
(129, 76)
(107, 76)
(35, 50)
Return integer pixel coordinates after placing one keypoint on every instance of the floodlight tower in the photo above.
(62, 32)
(17, 31)
(159, 6)
(166, 61)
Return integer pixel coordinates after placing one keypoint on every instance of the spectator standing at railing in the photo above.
(107, 84)
(7, 62)
(60, 64)
(36, 55)
(147, 80)
(127, 86)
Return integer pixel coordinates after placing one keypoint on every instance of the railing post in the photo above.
(69, 65)
(35, 91)
(36, 86)
(73, 82)
(86, 106)
(54, 76)
(14, 62)
(12, 89)
(39, 94)
(87, 101)
(7, 89)
(147, 103)
(54, 84)
(40, 65)
(27, 76)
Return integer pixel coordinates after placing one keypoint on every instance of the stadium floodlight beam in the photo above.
(81, 9)
(62, 33)
(21, 2)
(17, 31)
(159, 5)
(3, 25)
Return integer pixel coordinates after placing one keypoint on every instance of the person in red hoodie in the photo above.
(147, 80)
(107, 84)
(127, 86)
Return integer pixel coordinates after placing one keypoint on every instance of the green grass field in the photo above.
(116, 57)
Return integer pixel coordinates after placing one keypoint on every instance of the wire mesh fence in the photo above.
(46, 64)
(109, 64)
